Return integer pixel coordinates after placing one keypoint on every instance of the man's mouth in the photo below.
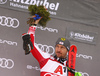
(58, 53)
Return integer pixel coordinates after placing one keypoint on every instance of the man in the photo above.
(49, 65)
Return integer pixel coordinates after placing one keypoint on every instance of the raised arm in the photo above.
(30, 47)
(27, 44)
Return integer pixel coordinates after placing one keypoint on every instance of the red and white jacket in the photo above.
(49, 66)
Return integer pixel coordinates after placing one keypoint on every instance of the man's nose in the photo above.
(59, 49)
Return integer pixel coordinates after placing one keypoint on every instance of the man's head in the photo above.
(62, 47)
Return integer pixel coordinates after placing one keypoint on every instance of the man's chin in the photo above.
(59, 56)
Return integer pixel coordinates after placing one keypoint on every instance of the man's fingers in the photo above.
(37, 21)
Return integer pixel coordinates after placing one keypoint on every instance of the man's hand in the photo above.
(37, 21)
(34, 20)
(37, 18)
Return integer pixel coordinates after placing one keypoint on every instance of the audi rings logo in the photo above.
(9, 22)
(6, 63)
(3, 1)
(46, 48)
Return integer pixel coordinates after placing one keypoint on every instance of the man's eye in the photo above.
(62, 47)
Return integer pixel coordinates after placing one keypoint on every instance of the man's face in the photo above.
(60, 51)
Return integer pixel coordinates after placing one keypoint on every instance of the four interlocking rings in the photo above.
(9, 22)
(46, 48)
(6, 63)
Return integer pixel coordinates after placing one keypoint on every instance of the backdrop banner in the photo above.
(81, 11)
(13, 18)
(82, 36)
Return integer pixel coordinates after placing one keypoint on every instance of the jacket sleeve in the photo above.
(36, 51)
